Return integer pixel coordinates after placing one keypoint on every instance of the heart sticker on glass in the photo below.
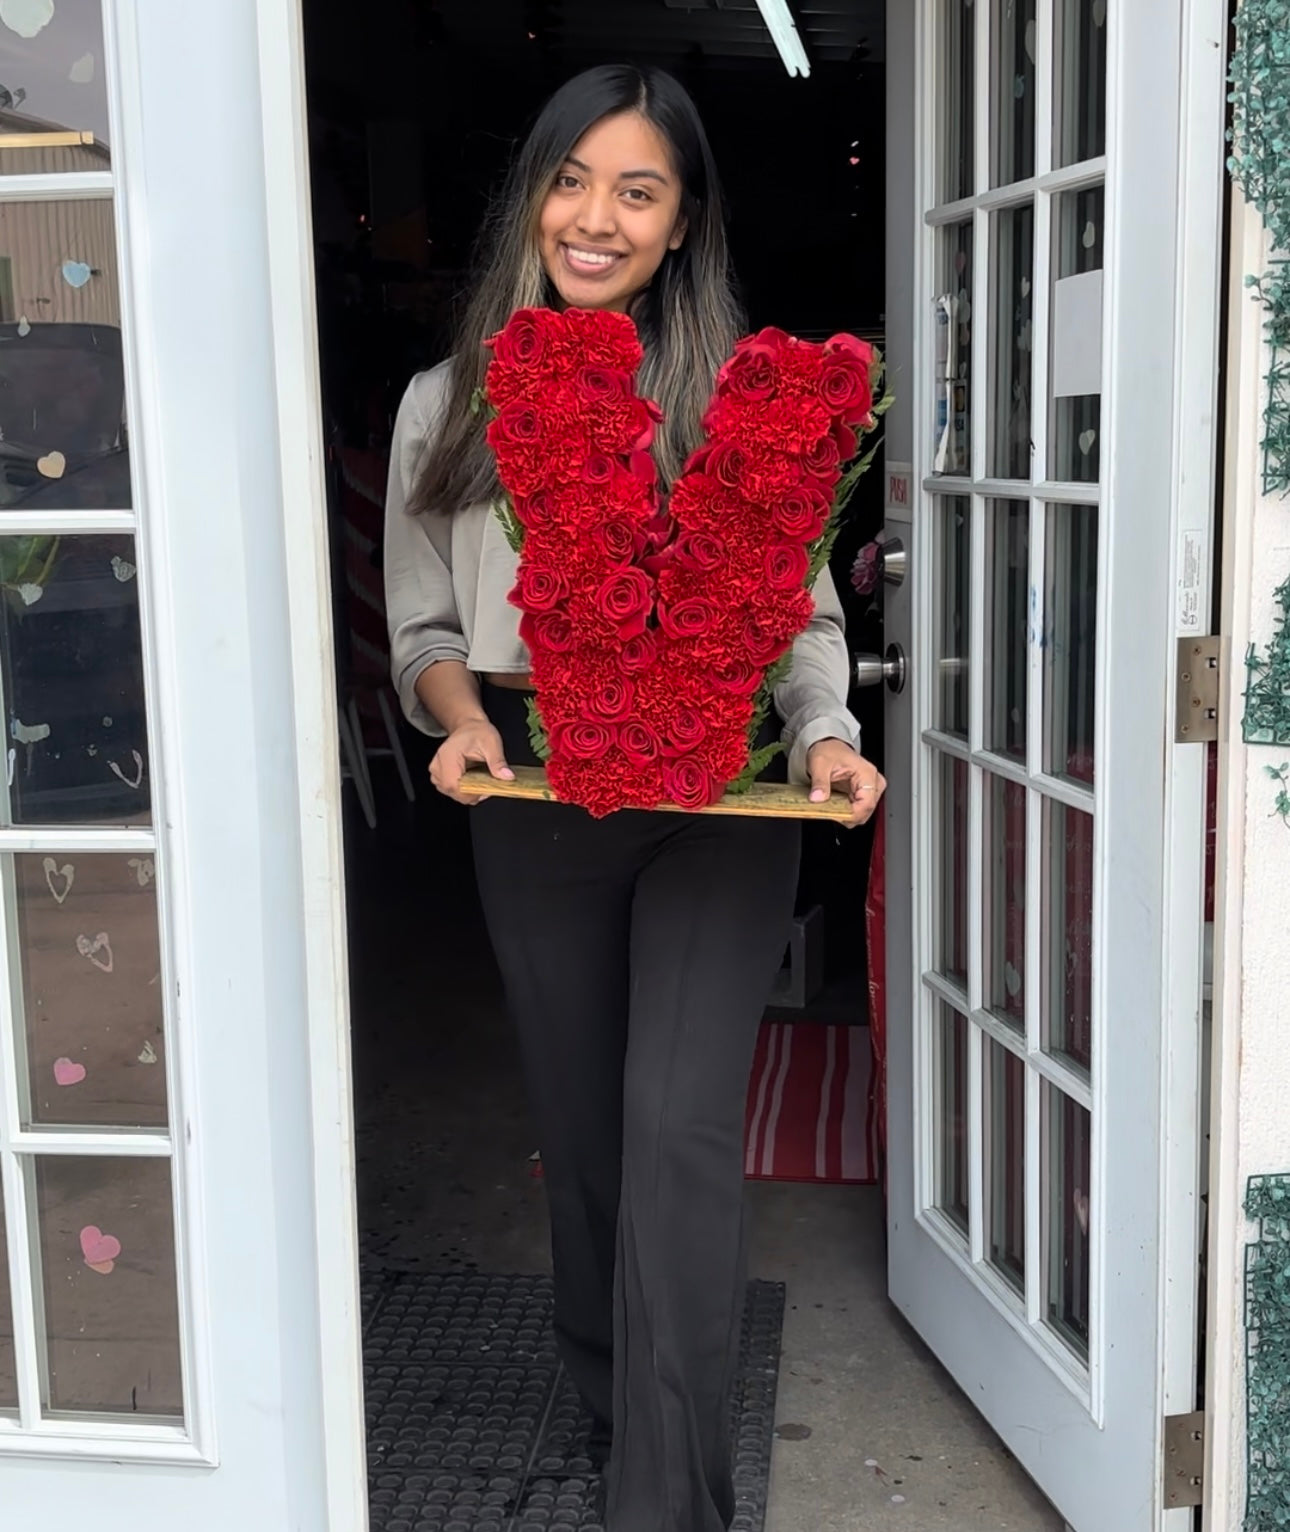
(82, 71)
(100, 1250)
(99, 951)
(76, 273)
(54, 875)
(68, 1072)
(53, 465)
(26, 17)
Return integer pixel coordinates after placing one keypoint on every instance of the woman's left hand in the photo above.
(833, 762)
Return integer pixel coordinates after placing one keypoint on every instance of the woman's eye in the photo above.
(638, 194)
(567, 182)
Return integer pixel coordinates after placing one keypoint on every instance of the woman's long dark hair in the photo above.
(688, 317)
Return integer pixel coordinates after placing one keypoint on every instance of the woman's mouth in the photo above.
(589, 263)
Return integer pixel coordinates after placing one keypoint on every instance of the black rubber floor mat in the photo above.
(473, 1425)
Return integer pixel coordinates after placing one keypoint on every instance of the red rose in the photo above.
(689, 786)
(638, 653)
(701, 552)
(517, 422)
(535, 510)
(691, 617)
(583, 740)
(624, 599)
(610, 702)
(525, 340)
(801, 514)
(685, 730)
(547, 630)
(595, 385)
(844, 387)
(598, 469)
(761, 647)
(787, 565)
(851, 346)
(739, 678)
(617, 539)
(639, 743)
(537, 589)
(749, 374)
(643, 467)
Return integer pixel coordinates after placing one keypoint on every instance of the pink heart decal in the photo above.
(100, 1250)
(66, 1072)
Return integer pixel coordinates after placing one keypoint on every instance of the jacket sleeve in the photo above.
(420, 605)
(812, 698)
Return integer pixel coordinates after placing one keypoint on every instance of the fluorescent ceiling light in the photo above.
(783, 30)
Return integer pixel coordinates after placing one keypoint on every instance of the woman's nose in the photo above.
(596, 214)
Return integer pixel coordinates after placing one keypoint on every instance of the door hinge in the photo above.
(1184, 1455)
(1196, 712)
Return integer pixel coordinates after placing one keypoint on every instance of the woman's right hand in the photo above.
(474, 741)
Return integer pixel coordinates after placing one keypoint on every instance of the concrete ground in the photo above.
(872, 1433)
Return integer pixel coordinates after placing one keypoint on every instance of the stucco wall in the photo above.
(1251, 1095)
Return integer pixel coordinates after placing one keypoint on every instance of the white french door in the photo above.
(1045, 981)
(178, 1305)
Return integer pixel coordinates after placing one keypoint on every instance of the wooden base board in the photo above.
(763, 800)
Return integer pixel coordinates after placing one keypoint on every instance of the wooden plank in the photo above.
(63, 140)
(763, 800)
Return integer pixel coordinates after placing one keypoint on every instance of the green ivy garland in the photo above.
(1267, 1355)
(1260, 166)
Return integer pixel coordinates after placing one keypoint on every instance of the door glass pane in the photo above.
(1079, 87)
(1070, 641)
(1013, 45)
(108, 1268)
(62, 389)
(958, 98)
(1067, 989)
(1067, 1134)
(71, 665)
(951, 1115)
(953, 615)
(1005, 899)
(89, 961)
(8, 1369)
(1007, 588)
(1014, 233)
(951, 953)
(1005, 1121)
(54, 109)
(954, 352)
(1075, 336)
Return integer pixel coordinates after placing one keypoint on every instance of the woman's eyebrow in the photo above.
(626, 175)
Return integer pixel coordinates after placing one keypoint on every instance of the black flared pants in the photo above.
(637, 953)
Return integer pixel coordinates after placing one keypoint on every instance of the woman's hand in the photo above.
(833, 761)
(474, 740)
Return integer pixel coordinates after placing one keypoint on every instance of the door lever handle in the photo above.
(877, 669)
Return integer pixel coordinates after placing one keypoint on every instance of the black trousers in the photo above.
(637, 953)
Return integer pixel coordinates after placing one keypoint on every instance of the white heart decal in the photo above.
(30, 594)
(92, 949)
(77, 273)
(1090, 235)
(24, 326)
(1086, 440)
(53, 465)
(123, 569)
(145, 869)
(26, 17)
(66, 872)
(148, 1055)
(82, 71)
(1025, 287)
(29, 733)
(138, 771)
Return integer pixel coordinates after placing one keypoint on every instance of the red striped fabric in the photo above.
(811, 1114)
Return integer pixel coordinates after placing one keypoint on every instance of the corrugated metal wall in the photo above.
(38, 238)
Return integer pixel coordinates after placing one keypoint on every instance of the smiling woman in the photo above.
(612, 215)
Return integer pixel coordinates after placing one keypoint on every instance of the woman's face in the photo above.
(612, 215)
